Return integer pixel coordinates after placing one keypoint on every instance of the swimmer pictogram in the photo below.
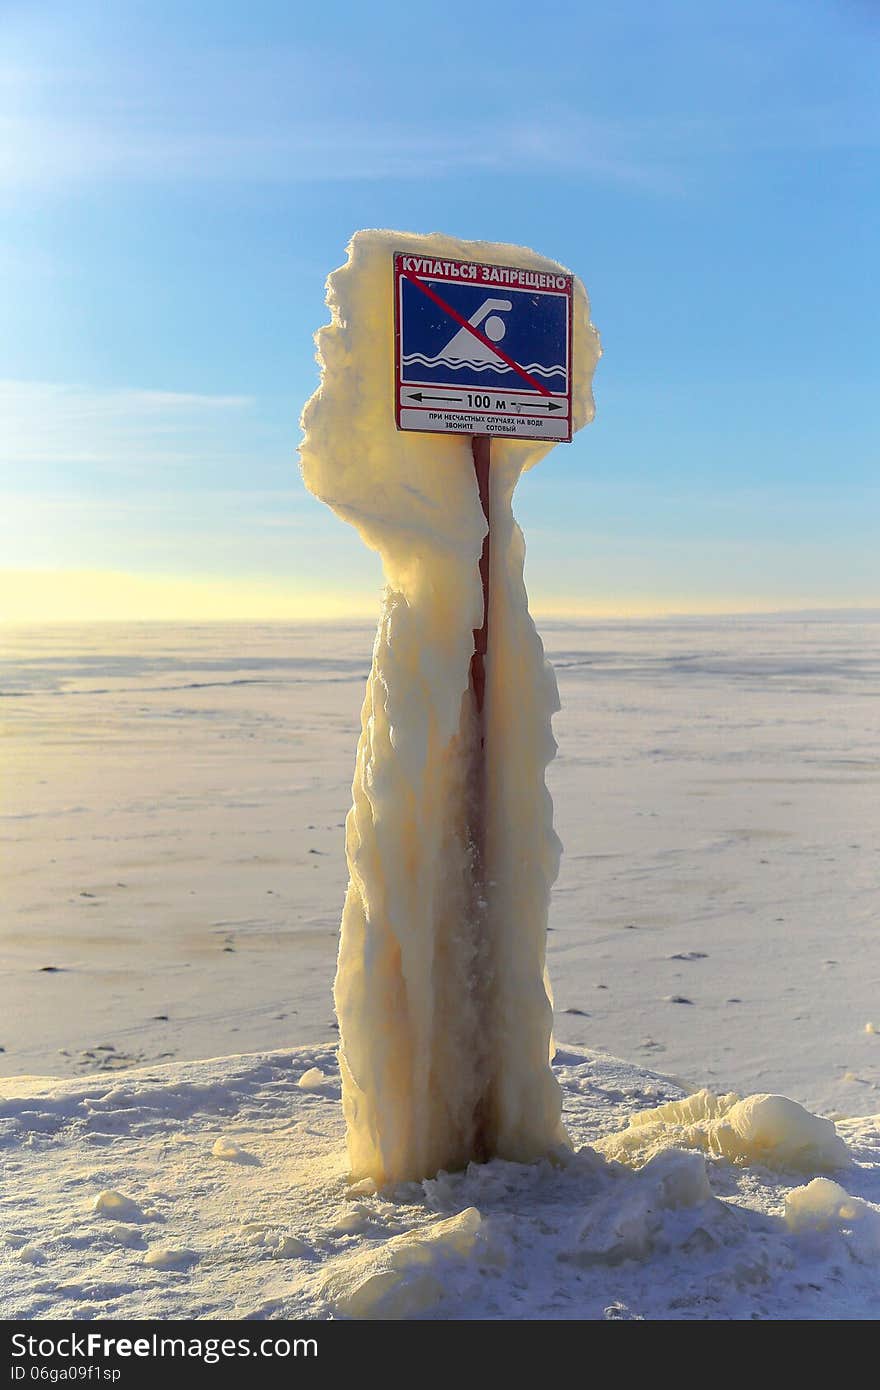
(465, 347)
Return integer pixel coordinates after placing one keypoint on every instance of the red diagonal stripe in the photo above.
(493, 347)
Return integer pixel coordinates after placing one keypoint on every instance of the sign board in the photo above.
(482, 349)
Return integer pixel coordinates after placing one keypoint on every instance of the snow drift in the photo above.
(444, 1012)
(124, 1198)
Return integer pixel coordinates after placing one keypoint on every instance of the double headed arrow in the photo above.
(550, 406)
(421, 396)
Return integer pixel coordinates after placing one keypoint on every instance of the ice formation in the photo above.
(170, 1259)
(770, 1130)
(230, 1153)
(119, 1207)
(629, 1221)
(824, 1205)
(312, 1080)
(408, 1277)
(443, 1007)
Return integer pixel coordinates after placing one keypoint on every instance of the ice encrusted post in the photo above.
(445, 1019)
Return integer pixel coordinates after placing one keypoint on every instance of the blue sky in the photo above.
(177, 179)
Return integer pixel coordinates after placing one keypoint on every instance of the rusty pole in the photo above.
(483, 1134)
(480, 447)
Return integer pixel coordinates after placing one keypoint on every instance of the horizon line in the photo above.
(545, 614)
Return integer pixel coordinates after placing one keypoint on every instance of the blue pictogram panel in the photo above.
(530, 329)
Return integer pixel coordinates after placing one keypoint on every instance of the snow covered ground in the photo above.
(173, 867)
(171, 841)
(218, 1189)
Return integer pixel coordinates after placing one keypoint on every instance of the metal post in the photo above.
(483, 1138)
(480, 447)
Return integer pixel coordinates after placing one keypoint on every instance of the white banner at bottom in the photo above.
(467, 422)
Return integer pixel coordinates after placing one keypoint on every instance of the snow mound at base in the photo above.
(824, 1206)
(406, 1278)
(769, 1130)
(133, 1198)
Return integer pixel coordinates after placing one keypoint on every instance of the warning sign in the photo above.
(482, 349)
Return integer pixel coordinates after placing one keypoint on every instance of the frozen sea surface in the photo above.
(171, 844)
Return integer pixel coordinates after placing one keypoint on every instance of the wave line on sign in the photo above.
(457, 363)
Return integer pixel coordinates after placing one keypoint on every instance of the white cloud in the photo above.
(81, 102)
(293, 115)
(122, 429)
(40, 151)
(180, 531)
